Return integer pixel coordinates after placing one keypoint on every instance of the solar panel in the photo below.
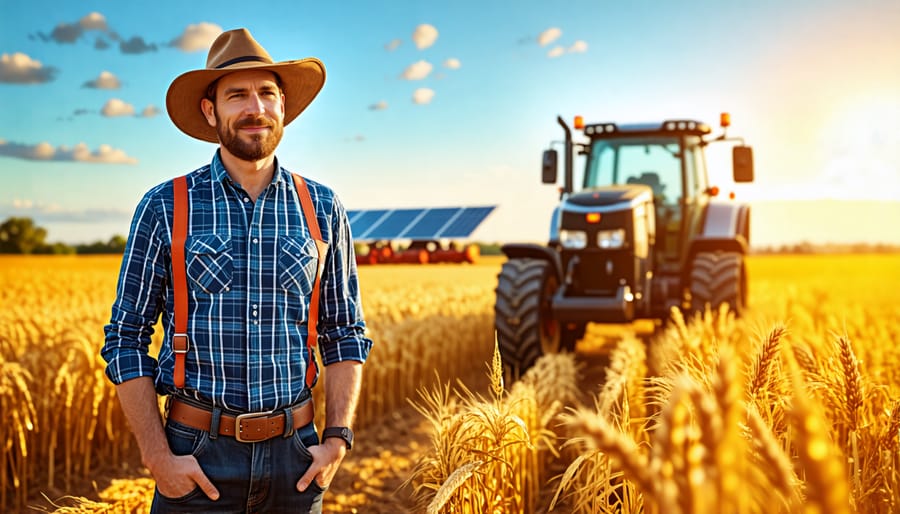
(430, 223)
(466, 222)
(416, 224)
(362, 221)
(394, 224)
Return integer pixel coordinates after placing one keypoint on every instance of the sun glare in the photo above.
(860, 150)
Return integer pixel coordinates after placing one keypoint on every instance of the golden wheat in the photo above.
(799, 417)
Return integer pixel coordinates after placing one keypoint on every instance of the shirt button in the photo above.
(256, 322)
(246, 199)
(255, 240)
(255, 306)
(255, 313)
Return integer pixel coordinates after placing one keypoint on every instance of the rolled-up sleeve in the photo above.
(342, 330)
(139, 298)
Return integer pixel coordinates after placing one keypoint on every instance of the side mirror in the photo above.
(549, 167)
(742, 161)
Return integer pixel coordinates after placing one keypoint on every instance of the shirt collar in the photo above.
(220, 174)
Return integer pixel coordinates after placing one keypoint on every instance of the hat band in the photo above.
(245, 58)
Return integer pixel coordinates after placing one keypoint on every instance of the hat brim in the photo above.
(301, 81)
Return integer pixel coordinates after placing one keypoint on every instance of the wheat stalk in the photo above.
(453, 482)
(760, 375)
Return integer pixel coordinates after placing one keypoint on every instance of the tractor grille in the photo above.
(601, 272)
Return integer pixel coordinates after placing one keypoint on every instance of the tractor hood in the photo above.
(607, 199)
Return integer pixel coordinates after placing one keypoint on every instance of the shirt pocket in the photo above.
(210, 263)
(297, 264)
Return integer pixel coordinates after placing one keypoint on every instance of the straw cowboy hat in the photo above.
(236, 50)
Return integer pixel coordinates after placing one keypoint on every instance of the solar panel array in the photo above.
(417, 224)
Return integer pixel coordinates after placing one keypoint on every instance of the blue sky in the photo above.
(814, 87)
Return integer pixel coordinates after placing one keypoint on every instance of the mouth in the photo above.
(253, 126)
(254, 129)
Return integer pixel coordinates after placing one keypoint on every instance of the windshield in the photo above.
(652, 161)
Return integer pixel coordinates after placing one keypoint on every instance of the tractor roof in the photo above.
(667, 127)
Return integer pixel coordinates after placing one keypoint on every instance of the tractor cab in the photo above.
(668, 161)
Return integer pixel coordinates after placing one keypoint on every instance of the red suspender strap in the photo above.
(179, 277)
(309, 213)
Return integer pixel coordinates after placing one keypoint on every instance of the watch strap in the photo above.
(341, 433)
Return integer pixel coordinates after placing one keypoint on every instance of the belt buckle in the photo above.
(238, 429)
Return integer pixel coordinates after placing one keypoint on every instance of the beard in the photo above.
(259, 146)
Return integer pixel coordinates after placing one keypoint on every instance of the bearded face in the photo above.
(258, 141)
(247, 109)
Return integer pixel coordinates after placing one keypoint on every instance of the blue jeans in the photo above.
(251, 477)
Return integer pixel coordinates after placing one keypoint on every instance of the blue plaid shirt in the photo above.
(250, 271)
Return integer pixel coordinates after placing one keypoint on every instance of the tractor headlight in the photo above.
(611, 238)
(573, 239)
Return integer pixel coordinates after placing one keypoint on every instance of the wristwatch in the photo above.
(340, 432)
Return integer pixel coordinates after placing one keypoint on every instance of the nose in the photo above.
(254, 104)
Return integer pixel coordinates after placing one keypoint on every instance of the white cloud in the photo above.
(43, 150)
(106, 80)
(69, 33)
(18, 68)
(548, 36)
(423, 96)
(197, 37)
(104, 154)
(93, 21)
(54, 212)
(150, 111)
(136, 45)
(393, 45)
(555, 52)
(452, 63)
(380, 106)
(417, 71)
(116, 107)
(80, 153)
(578, 47)
(424, 36)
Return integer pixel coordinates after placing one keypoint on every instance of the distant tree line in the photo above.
(23, 236)
(807, 248)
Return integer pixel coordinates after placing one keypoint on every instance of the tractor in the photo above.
(643, 232)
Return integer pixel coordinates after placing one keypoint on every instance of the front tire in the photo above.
(523, 318)
(717, 278)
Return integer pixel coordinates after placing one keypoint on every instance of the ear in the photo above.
(209, 110)
(282, 105)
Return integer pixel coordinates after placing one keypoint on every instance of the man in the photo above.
(236, 288)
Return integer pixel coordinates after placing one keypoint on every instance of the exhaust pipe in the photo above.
(568, 186)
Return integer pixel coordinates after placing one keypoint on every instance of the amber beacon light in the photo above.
(579, 122)
(725, 120)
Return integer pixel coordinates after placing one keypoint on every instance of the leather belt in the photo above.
(252, 427)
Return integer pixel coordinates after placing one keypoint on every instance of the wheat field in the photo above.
(793, 408)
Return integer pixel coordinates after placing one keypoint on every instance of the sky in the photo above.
(439, 103)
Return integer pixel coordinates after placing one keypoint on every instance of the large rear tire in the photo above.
(717, 278)
(523, 317)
